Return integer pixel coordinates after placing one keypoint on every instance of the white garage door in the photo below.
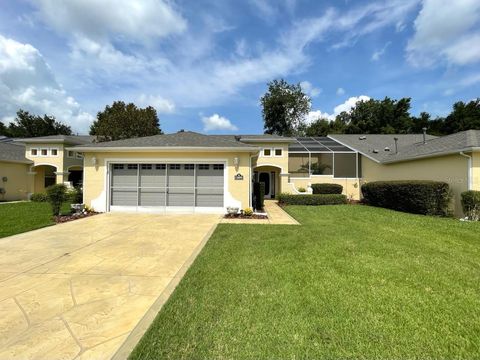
(166, 186)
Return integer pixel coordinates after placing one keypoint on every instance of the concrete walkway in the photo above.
(276, 216)
(78, 290)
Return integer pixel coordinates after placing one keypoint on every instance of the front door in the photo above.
(264, 177)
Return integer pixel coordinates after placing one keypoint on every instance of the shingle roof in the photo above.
(182, 139)
(410, 146)
(68, 139)
(13, 152)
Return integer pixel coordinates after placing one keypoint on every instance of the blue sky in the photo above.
(204, 64)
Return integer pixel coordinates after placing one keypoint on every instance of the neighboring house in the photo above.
(15, 183)
(454, 159)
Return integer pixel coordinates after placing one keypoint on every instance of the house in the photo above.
(15, 183)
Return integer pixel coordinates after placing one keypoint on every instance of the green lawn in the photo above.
(19, 217)
(351, 282)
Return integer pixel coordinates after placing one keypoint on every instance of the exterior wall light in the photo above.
(236, 162)
(94, 161)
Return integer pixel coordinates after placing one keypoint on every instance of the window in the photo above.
(345, 165)
(189, 166)
(34, 152)
(160, 166)
(44, 152)
(146, 166)
(217, 166)
(54, 152)
(79, 156)
(203, 166)
(278, 152)
(70, 154)
(322, 164)
(174, 167)
(132, 166)
(267, 152)
(117, 166)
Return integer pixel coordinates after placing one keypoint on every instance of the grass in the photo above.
(351, 282)
(20, 217)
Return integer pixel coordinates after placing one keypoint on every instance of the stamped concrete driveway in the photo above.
(77, 290)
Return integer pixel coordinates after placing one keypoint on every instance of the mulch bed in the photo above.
(240, 216)
(66, 218)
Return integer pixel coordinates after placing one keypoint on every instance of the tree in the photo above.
(319, 127)
(123, 121)
(464, 116)
(3, 130)
(28, 125)
(284, 107)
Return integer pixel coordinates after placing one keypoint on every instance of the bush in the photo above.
(417, 197)
(302, 189)
(39, 197)
(75, 195)
(471, 204)
(315, 199)
(258, 195)
(327, 188)
(56, 196)
(248, 212)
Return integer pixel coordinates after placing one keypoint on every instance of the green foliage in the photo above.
(319, 127)
(258, 195)
(327, 188)
(418, 197)
(284, 107)
(56, 195)
(302, 189)
(29, 125)
(471, 204)
(314, 199)
(124, 121)
(248, 211)
(39, 197)
(464, 116)
(75, 195)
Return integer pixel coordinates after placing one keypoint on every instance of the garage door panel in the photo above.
(208, 191)
(209, 200)
(152, 197)
(124, 177)
(152, 176)
(124, 197)
(180, 198)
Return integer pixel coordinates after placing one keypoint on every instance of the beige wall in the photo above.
(95, 185)
(19, 183)
(476, 171)
(451, 169)
(351, 187)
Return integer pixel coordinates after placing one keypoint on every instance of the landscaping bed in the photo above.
(243, 216)
(70, 217)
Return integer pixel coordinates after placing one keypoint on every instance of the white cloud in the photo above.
(114, 19)
(347, 106)
(161, 104)
(379, 53)
(217, 122)
(446, 31)
(27, 82)
(309, 89)
(340, 91)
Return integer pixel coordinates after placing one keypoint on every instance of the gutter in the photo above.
(470, 168)
(161, 148)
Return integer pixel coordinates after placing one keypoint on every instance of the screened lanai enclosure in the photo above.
(317, 156)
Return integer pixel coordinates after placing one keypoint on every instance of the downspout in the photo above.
(469, 176)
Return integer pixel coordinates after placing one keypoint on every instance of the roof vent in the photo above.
(375, 151)
(386, 148)
(237, 137)
(362, 138)
(396, 144)
(181, 130)
(424, 135)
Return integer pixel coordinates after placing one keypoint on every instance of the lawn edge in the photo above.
(126, 348)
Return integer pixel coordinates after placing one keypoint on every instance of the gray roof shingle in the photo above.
(410, 146)
(13, 152)
(179, 139)
(68, 139)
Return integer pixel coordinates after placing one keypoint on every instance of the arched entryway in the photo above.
(45, 176)
(270, 176)
(75, 175)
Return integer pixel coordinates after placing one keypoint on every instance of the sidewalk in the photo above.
(276, 216)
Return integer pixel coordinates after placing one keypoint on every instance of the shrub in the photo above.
(258, 195)
(248, 212)
(417, 197)
(314, 199)
(75, 195)
(471, 204)
(56, 196)
(39, 197)
(302, 189)
(327, 188)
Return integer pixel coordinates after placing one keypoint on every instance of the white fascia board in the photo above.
(163, 149)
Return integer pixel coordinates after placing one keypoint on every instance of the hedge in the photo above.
(38, 197)
(314, 199)
(327, 188)
(417, 197)
(471, 204)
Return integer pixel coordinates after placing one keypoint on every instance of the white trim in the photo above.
(51, 154)
(45, 164)
(163, 149)
(263, 152)
(38, 152)
(272, 165)
(40, 155)
(275, 150)
(469, 170)
(70, 156)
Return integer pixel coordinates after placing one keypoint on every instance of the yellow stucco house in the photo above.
(188, 171)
